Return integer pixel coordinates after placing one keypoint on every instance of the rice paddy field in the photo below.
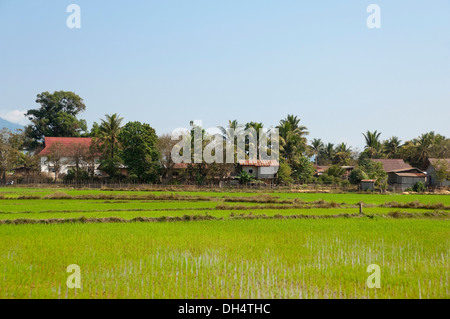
(218, 244)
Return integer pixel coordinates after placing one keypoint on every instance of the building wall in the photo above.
(252, 170)
(267, 172)
(432, 180)
(261, 172)
(367, 186)
(403, 183)
(45, 167)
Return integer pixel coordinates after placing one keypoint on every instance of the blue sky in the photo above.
(168, 62)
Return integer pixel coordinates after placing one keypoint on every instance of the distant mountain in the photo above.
(9, 125)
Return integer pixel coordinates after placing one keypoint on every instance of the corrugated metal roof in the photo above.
(390, 165)
(259, 163)
(180, 165)
(410, 174)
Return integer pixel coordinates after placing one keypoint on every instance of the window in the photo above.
(250, 171)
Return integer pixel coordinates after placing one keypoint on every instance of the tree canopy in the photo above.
(139, 150)
(56, 117)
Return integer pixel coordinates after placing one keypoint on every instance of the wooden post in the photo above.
(360, 207)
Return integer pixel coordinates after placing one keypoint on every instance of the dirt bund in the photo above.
(396, 215)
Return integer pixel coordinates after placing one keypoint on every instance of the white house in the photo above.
(69, 148)
(261, 169)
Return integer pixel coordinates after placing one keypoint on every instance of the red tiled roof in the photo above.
(368, 180)
(390, 165)
(259, 163)
(65, 141)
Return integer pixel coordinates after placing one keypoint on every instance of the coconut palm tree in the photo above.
(292, 137)
(424, 145)
(342, 154)
(392, 147)
(110, 129)
(328, 152)
(256, 126)
(373, 144)
(316, 147)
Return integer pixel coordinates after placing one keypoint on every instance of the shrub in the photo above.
(284, 174)
(345, 183)
(419, 187)
(357, 175)
(245, 178)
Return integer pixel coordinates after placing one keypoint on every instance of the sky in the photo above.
(168, 62)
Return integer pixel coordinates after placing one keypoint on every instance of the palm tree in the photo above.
(424, 145)
(343, 148)
(329, 151)
(392, 147)
(110, 129)
(342, 154)
(293, 124)
(256, 126)
(292, 137)
(316, 147)
(373, 144)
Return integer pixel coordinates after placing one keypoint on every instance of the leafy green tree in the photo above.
(9, 151)
(139, 150)
(303, 170)
(95, 130)
(442, 169)
(284, 173)
(357, 175)
(30, 161)
(374, 170)
(336, 171)
(428, 145)
(56, 117)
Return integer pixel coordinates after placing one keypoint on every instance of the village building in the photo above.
(430, 167)
(67, 144)
(261, 169)
(320, 170)
(368, 184)
(400, 174)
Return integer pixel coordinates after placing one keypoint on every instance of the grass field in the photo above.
(223, 244)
